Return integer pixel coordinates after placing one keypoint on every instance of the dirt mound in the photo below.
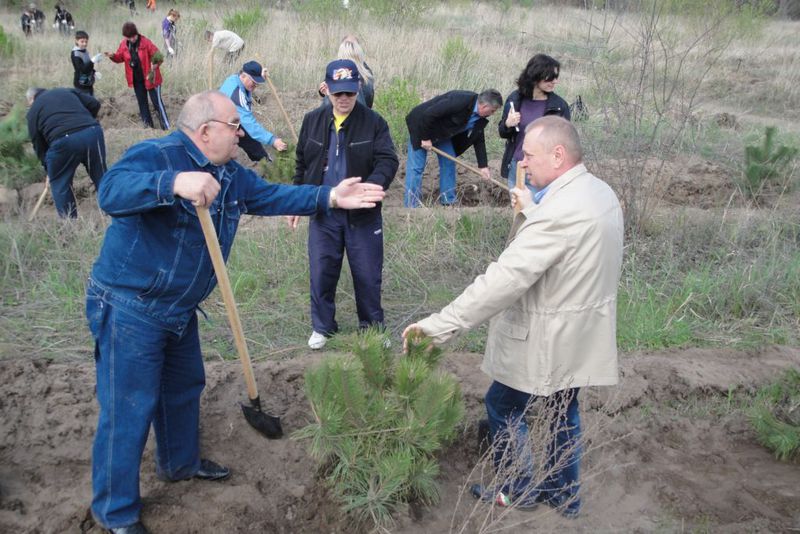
(657, 455)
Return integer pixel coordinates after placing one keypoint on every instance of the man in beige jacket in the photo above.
(552, 300)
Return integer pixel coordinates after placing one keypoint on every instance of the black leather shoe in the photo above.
(212, 471)
(136, 528)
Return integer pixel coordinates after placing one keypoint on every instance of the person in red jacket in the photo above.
(142, 72)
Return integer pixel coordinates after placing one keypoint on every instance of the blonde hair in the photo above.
(351, 49)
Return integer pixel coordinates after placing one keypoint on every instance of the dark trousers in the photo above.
(144, 108)
(88, 90)
(87, 147)
(329, 236)
(508, 431)
(254, 150)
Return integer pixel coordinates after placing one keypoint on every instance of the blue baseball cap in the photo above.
(254, 70)
(341, 76)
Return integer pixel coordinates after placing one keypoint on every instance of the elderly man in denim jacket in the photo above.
(152, 273)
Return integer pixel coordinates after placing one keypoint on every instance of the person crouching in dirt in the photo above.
(451, 122)
(551, 297)
(152, 273)
(337, 141)
(239, 88)
(228, 41)
(142, 72)
(83, 64)
(64, 130)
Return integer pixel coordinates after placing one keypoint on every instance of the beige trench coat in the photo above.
(552, 293)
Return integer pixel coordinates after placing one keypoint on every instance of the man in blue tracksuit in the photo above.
(339, 141)
(152, 273)
(240, 87)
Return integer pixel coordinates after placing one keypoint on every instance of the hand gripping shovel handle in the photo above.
(268, 425)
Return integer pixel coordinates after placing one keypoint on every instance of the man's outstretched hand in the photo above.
(352, 193)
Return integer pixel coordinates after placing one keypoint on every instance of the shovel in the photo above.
(41, 199)
(266, 424)
(280, 105)
(467, 166)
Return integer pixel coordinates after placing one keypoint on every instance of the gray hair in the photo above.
(198, 110)
(491, 97)
(555, 130)
(33, 92)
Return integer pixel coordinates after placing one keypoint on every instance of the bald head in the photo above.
(211, 121)
(551, 148)
(200, 109)
(551, 131)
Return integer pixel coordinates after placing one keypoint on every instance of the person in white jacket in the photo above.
(552, 300)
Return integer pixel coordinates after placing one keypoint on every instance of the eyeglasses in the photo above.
(234, 125)
(344, 93)
(550, 77)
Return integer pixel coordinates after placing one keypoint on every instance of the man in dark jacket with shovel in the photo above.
(451, 122)
(152, 273)
(65, 133)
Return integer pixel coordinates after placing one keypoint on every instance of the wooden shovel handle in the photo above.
(283, 110)
(520, 184)
(41, 199)
(227, 296)
(467, 166)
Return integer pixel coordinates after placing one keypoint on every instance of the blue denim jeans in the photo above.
(145, 376)
(329, 237)
(506, 407)
(85, 147)
(415, 165)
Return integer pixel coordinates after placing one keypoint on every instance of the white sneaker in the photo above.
(317, 341)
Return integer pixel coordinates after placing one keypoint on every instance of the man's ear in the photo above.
(559, 155)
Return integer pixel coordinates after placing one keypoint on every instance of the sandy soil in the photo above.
(658, 457)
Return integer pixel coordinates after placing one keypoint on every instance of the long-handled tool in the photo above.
(520, 184)
(267, 424)
(41, 199)
(469, 167)
(280, 105)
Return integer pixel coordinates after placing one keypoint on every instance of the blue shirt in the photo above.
(154, 261)
(243, 100)
(472, 118)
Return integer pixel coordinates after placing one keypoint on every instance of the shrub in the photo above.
(775, 416)
(18, 166)
(765, 165)
(379, 422)
(7, 43)
(243, 22)
(281, 169)
(393, 103)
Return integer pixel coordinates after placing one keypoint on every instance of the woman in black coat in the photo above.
(533, 98)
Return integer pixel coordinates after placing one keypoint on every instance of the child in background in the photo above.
(83, 64)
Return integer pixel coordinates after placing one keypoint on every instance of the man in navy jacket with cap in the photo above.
(344, 140)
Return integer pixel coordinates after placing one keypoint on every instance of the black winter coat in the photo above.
(555, 106)
(444, 117)
(370, 151)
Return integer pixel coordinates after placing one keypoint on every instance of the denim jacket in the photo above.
(154, 261)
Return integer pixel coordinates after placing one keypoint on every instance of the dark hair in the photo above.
(491, 97)
(80, 34)
(540, 67)
(129, 30)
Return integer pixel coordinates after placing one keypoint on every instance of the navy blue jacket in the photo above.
(369, 151)
(154, 261)
(555, 106)
(445, 117)
(58, 112)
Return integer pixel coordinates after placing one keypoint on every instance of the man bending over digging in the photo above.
(152, 273)
(552, 300)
